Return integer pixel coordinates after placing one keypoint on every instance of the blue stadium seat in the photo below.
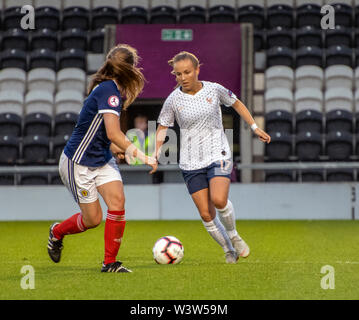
(339, 145)
(102, 16)
(280, 37)
(252, 14)
(35, 149)
(163, 15)
(308, 146)
(44, 38)
(47, 17)
(222, 14)
(9, 149)
(280, 15)
(309, 36)
(280, 148)
(15, 39)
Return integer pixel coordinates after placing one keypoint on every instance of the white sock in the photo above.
(217, 231)
(227, 217)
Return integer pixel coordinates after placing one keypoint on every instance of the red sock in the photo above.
(72, 225)
(114, 228)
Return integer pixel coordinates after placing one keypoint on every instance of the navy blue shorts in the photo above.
(199, 179)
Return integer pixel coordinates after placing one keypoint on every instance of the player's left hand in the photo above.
(117, 153)
(262, 135)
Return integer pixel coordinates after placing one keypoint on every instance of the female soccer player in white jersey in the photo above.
(87, 166)
(205, 156)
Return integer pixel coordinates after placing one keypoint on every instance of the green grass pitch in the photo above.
(285, 262)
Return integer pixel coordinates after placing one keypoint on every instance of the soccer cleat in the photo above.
(241, 247)
(54, 246)
(114, 267)
(231, 257)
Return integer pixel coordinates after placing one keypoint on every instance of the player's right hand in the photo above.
(151, 161)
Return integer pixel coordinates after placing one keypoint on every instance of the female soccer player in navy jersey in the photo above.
(87, 166)
(205, 156)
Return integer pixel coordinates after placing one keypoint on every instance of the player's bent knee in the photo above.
(219, 203)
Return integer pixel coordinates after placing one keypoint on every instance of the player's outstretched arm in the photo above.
(117, 137)
(247, 117)
(160, 139)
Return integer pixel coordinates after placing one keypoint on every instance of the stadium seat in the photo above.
(312, 175)
(252, 14)
(10, 124)
(43, 58)
(356, 58)
(279, 176)
(340, 175)
(280, 148)
(340, 36)
(33, 179)
(339, 76)
(71, 79)
(9, 149)
(15, 39)
(356, 78)
(308, 146)
(12, 18)
(75, 17)
(43, 79)
(68, 101)
(278, 99)
(356, 97)
(279, 37)
(222, 14)
(73, 38)
(102, 16)
(55, 179)
(72, 58)
(279, 77)
(339, 55)
(35, 149)
(308, 14)
(48, 17)
(134, 15)
(339, 145)
(96, 41)
(259, 40)
(163, 14)
(38, 123)
(12, 102)
(59, 143)
(338, 98)
(39, 101)
(279, 120)
(13, 79)
(309, 77)
(339, 120)
(309, 120)
(65, 123)
(44, 38)
(343, 14)
(114, 4)
(356, 21)
(192, 14)
(309, 36)
(280, 56)
(280, 15)
(7, 179)
(309, 56)
(14, 58)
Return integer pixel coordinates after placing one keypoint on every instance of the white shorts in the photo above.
(83, 181)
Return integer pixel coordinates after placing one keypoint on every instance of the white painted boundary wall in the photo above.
(172, 202)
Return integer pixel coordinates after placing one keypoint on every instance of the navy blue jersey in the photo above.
(88, 144)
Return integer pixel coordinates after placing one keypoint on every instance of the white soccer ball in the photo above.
(168, 250)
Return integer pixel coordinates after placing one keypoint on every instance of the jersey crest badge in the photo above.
(113, 101)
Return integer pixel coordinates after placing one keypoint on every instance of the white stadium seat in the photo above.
(308, 99)
(199, 3)
(242, 3)
(279, 77)
(309, 77)
(77, 3)
(302, 2)
(12, 102)
(39, 101)
(356, 100)
(41, 79)
(137, 3)
(278, 99)
(338, 99)
(168, 3)
(356, 78)
(68, 101)
(106, 3)
(17, 3)
(48, 3)
(228, 3)
(339, 76)
(13, 79)
(71, 79)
